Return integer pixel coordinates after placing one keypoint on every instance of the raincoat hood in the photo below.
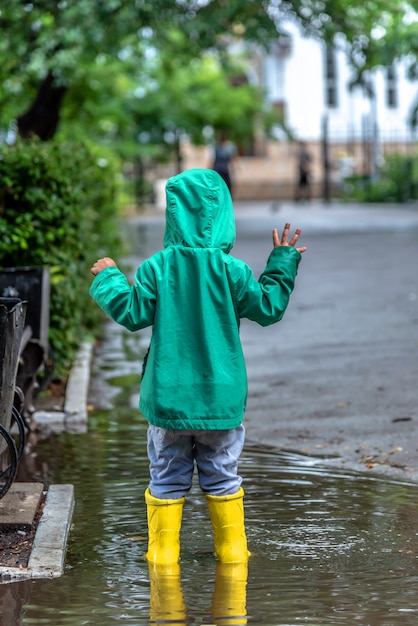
(199, 212)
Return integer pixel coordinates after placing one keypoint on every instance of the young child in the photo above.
(194, 383)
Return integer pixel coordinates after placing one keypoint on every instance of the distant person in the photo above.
(224, 154)
(303, 187)
(194, 383)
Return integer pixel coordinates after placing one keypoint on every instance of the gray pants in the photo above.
(173, 453)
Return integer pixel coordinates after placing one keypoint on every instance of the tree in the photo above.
(51, 47)
(146, 110)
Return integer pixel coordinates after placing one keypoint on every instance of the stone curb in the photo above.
(49, 547)
(73, 418)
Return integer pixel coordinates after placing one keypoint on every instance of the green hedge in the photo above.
(57, 209)
(397, 182)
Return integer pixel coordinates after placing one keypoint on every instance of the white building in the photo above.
(311, 82)
(310, 85)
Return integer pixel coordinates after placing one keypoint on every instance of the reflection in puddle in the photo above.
(328, 546)
(228, 604)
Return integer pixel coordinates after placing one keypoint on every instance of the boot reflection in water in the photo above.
(166, 596)
(230, 594)
(228, 602)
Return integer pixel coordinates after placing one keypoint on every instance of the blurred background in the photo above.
(153, 83)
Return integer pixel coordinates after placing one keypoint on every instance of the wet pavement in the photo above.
(338, 376)
(329, 545)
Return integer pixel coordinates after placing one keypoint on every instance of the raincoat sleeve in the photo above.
(132, 306)
(265, 300)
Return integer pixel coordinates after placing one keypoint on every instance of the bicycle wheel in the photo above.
(8, 461)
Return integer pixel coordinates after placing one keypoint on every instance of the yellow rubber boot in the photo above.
(164, 524)
(166, 596)
(227, 517)
(230, 594)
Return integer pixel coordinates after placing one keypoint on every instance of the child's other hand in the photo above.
(284, 241)
(102, 264)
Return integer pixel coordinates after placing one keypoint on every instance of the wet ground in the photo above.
(329, 546)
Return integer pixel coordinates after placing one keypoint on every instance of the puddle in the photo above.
(328, 546)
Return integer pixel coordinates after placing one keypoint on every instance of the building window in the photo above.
(331, 92)
(391, 88)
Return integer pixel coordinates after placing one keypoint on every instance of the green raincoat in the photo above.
(193, 294)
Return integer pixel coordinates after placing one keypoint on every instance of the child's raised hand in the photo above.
(102, 264)
(284, 241)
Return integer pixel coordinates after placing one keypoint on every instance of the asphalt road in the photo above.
(338, 377)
